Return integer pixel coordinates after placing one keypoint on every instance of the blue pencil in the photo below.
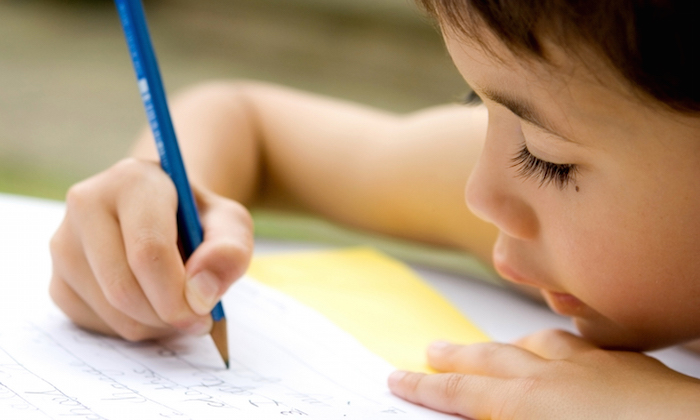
(153, 95)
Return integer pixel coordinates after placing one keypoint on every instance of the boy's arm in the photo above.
(117, 267)
(398, 175)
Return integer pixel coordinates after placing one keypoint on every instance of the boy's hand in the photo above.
(116, 264)
(549, 375)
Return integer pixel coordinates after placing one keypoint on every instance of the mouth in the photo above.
(560, 302)
(563, 303)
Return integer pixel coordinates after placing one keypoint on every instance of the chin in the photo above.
(611, 336)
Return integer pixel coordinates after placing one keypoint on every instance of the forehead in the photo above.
(560, 60)
(567, 86)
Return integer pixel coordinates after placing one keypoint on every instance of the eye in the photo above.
(529, 166)
(472, 99)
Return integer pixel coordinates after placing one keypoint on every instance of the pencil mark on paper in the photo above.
(286, 361)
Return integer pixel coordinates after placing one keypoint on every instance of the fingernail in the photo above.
(397, 376)
(202, 292)
(437, 347)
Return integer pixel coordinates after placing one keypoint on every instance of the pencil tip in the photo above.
(220, 337)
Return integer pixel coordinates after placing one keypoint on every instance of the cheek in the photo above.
(603, 270)
(636, 268)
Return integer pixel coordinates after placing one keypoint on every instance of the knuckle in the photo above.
(411, 383)
(146, 174)
(119, 296)
(452, 386)
(489, 355)
(233, 257)
(177, 319)
(73, 306)
(65, 253)
(454, 351)
(235, 211)
(549, 335)
(78, 196)
(242, 214)
(175, 314)
(147, 249)
(129, 167)
(486, 351)
(58, 245)
(525, 386)
(232, 208)
(131, 330)
(535, 338)
(57, 292)
(446, 358)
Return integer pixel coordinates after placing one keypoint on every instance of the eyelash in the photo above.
(529, 166)
(472, 99)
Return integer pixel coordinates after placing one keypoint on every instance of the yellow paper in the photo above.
(378, 300)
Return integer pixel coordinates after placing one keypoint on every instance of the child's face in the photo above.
(613, 241)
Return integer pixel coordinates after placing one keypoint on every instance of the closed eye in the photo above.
(472, 99)
(529, 166)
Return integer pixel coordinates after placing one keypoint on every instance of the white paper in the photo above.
(286, 361)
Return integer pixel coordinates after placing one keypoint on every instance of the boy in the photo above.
(588, 170)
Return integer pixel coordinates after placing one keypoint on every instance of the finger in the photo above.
(491, 359)
(101, 239)
(104, 321)
(76, 309)
(222, 257)
(554, 344)
(73, 284)
(150, 239)
(467, 395)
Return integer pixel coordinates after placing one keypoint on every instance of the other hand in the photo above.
(549, 375)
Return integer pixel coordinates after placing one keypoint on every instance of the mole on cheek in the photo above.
(577, 189)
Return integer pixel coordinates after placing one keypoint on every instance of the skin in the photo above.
(586, 244)
(614, 248)
(274, 143)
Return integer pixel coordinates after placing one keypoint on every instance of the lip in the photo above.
(563, 303)
(560, 302)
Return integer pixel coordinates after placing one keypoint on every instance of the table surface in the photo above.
(26, 225)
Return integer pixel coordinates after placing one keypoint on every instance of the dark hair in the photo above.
(653, 44)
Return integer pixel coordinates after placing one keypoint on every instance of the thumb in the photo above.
(223, 256)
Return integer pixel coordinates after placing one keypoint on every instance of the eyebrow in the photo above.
(522, 109)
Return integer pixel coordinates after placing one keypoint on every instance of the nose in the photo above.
(494, 193)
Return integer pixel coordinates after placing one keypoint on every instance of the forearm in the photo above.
(260, 144)
(398, 175)
(217, 138)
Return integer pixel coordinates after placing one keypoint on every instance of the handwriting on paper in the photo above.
(286, 361)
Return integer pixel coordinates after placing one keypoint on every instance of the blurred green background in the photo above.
(69, 106)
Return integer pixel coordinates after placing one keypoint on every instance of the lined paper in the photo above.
(286, 361)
